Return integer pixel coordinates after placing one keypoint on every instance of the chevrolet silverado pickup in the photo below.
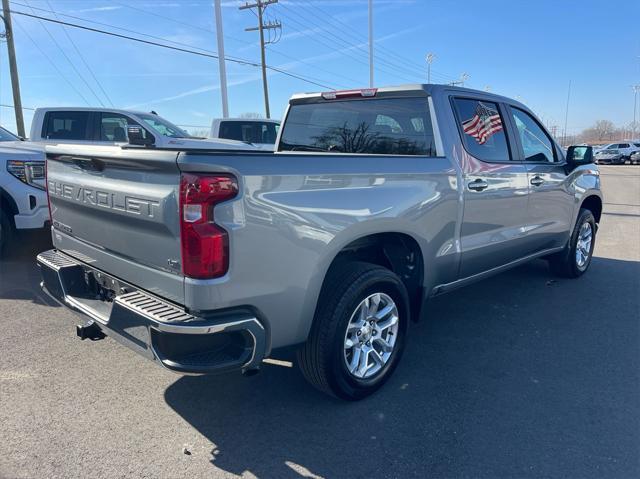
(374, 201)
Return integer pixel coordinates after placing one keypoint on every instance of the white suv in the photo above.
(627, 148)
(23, 200)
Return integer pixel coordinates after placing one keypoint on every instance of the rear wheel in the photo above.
(575, 259)
(358, 333)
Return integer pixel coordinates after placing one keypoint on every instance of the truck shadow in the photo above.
(19, 275)
(522, 374)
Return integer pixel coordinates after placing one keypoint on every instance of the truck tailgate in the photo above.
(117, 209)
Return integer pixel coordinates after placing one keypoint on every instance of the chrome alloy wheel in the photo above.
(583, 247)
(371, 335)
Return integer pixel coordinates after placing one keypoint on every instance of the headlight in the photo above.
(29, 172)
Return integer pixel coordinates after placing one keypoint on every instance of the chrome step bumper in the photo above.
(157, 329)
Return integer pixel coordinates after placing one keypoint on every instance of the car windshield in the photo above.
(7, 136)
(162, 126)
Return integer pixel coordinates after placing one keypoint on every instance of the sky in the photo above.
(529, 50)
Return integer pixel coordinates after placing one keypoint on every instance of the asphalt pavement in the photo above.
(520, 376)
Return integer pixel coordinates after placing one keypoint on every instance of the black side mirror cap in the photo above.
(139, 136)
(579, 155)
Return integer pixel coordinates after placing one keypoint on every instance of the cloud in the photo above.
(105, 8)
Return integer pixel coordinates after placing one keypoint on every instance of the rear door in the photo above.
(117, 209)
(550, 202)
(495, 188)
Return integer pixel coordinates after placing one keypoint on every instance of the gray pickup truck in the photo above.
(374, 201)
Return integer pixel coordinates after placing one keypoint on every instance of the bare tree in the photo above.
(604, 129)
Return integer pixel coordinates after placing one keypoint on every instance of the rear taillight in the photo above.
(205, 245)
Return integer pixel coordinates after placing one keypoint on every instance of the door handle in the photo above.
(478, 185)
(536, 181)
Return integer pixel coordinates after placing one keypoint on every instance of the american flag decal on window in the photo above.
(484, 123)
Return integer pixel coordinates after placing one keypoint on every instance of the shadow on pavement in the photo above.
(521, 375)
(19, 275)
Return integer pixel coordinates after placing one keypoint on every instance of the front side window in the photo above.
(393, 126)
(113, 127)
(67, 125)
(482, 129)
(536, 143)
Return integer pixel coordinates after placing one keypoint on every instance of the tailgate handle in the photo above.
(84, 163)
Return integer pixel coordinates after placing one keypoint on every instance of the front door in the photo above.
(551, 202)
(496, 189)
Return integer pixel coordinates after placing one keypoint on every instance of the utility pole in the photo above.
(261, 5)
(463, 78)
(370, 43)
(566, 116)
(13, 67)
(636, 90)
(429, 58)
(221, 62)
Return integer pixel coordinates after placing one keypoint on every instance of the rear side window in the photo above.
(398, 126)
(482, 129)
(67, 125)
(536, 144)
(251, 131)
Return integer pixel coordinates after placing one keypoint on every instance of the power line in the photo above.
(55, 67)
(170, 47)
(55, 42)
(84, 61)
(395, 57)
(94, 22)
(13, 106)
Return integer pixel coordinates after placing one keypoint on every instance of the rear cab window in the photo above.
(482, 129)
(67, 125)
(377, 126)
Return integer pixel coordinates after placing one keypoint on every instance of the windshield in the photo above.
(162, 126)
(7, 136)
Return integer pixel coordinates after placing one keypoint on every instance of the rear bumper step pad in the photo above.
(156, 329)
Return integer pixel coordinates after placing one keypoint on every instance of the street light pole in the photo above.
(371, 43)
(430, 57)
(221, 63)
(636, 90)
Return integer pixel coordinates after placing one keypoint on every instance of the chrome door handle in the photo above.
(478, 185)
(536, 181)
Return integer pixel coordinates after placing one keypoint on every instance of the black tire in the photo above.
(6, 233)
(565, 263)
(322, 357)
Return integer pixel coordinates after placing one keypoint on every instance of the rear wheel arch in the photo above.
(398, 252)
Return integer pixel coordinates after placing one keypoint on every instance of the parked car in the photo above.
(257, 131)
(610, 157)
(626, 149)
(104, 126)
(375, 200)
(635, 158)
(23, 201)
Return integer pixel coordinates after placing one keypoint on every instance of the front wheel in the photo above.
(358, 332)
(575, 259)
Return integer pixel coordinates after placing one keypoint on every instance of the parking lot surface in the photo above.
(521, 375)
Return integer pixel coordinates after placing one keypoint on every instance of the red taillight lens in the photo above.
(205, 245)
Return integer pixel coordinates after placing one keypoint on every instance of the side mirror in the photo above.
(139, 136)
(579, 155)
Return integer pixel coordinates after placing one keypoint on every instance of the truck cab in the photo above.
(109, 127)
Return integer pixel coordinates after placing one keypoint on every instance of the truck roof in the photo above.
(410, 89)
(99, 109)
